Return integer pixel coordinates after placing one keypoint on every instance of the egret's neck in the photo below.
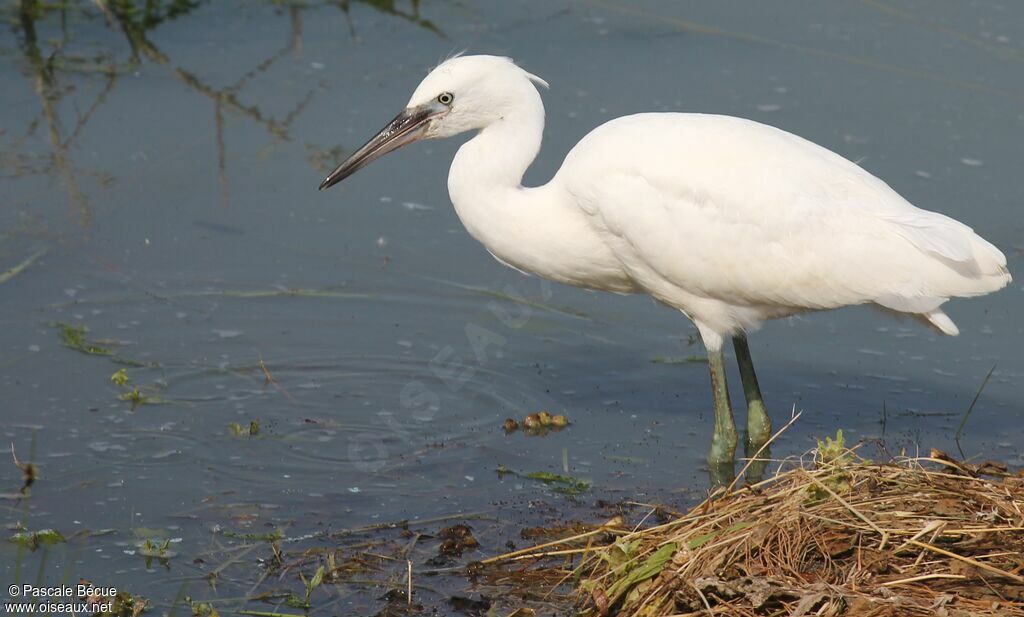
(538, 230)
(485, 181)
(497, 157)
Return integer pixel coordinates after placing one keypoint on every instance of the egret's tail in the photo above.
(984, 271)
(958, 263)
(991, 263)
(975, 265)
(940, 321)
(935, 318)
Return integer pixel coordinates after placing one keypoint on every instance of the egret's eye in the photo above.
(446, 98)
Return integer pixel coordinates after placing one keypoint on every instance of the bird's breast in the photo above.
(541, 231)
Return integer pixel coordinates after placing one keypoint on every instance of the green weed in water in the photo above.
(272, 536)
(244, 431)
(565, 485)
(202, 609)
(135, 397)
(126, 605)
(14, 271)
(34, 539)
(73, 337)
(29, 471)
(158, 549)
(297, 602)
(696, 359)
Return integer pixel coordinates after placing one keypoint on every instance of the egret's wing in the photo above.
(934, 233)
(736, 211)
(670, 240)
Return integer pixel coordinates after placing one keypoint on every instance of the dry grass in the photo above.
(831, 534)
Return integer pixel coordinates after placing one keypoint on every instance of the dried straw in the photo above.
(827, 535)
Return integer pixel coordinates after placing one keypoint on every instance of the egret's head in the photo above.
(462, 94)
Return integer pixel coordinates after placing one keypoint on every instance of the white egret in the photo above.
(729, 221)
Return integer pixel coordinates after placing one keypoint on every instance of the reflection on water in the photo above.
(56, 65)
(160, 160)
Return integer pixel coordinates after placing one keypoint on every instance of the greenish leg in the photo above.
(759, 425)
(723, 440)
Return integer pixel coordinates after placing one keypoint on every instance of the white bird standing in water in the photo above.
(729, 221)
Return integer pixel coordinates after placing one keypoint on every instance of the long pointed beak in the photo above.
(406, 128)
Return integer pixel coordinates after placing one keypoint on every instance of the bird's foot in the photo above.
(721, 474)
(759, 426)
(759, 431)
(758, 464)
(722, 455)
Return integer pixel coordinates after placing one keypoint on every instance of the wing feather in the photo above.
(743, 213)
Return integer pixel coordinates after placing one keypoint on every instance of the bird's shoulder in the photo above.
(737, 174)
(733, 162)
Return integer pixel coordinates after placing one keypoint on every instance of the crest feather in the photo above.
(462, 54)
(529, 75)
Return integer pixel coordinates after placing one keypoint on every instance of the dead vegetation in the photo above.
(830, 534)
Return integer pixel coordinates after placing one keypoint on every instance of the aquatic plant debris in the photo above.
(309, 585)
(135, 397)
(17, 269)
(73, 337)
(271, 536)
(136, 394)
(537, 424)
(34, 539)
(650, 567)
(565, 485)
(830, 534)
(29, 472)
(158, 549)
(695, 359)
(202, 609)
(123, 604)
(245, 431)
(240, 294)
(456, 539)
(120, 377)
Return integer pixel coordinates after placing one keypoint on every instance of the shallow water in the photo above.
(159, 188)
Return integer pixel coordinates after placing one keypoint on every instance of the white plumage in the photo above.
(730, 221)
(734, 222)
